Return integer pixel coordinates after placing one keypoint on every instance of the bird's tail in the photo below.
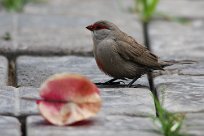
(172, 62)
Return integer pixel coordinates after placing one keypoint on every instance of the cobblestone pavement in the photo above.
(50, 37)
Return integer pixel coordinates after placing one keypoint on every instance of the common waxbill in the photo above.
(119, 55)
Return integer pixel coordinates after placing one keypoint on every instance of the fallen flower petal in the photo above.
(78, 98)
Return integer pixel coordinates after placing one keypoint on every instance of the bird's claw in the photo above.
(111, 83)
(129, 86)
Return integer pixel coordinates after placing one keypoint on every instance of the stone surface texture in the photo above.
(10, 126)
(52, 34)
(116, 101)
(58, 27)
(12, 104)
(7, 28)
(8, 101)
(127, 101)
(180, 8)
(3, 71)
(193, 124)
(27, 107)
(183, 66)
(181, 93)
(169, 39)
(102, 125)
(32, 71)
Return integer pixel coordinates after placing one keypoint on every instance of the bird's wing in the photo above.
(130, 50)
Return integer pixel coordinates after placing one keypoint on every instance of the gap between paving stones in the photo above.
(12, 71)
(22, 120)
(150, 78)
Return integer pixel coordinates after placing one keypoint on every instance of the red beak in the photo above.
(90, 27)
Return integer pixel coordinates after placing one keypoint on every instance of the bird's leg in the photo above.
(130, 84)
(111, 82)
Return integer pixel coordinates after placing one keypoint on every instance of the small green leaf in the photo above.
(7, 36)
(13, 5)
(146, 8)
(16, 5)
(169, 123)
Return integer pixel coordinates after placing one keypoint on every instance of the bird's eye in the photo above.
(98, 27)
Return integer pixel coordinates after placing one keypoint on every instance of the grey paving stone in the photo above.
(7, 27)
(102, 125)
(12, 104)
(170, 39)
(10, 126)
(54, 35)
(181, 93)
(193, 124)
(27, 107)
(66, 33)
(117, 101)
(32, 71)
(180, 8)
(174, 8)
(8, 101)
(128, 101)
(62, 33)
(3, 71)
(92, 8)
(194, 69)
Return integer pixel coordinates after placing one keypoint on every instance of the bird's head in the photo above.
(101, 29)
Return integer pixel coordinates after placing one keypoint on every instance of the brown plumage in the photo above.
(119, 55)
(130, 50)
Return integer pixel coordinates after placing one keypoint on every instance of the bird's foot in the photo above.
(137, 86)
(131, 83)
(111, 82)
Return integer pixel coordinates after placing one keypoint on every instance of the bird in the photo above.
(119, 55)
